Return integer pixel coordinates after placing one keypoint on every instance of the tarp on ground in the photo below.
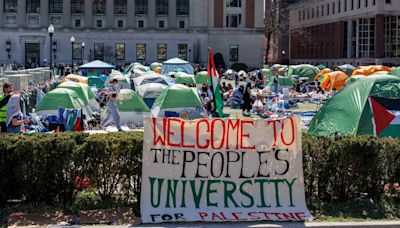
(176, 65)
(97, 64)
(367, 106)
(334, 80)
(185, 79)
(303, 71)
(202, 77)
(59, 98)
(176, 100)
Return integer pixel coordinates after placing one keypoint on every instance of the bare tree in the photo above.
(276, 19)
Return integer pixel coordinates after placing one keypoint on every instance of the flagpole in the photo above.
(211, 79)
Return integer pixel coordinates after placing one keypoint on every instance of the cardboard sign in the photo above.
(222, 170)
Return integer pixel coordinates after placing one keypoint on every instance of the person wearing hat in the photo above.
(8, 92)
(112, 113)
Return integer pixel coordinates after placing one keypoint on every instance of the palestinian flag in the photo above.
(386, 116)
(214, 83)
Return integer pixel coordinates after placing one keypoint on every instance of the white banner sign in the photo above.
(222, 170)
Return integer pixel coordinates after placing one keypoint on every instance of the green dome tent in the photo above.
(154, 65)
(59, 98)
(202, 77)
(184, 78)
(178, 99)
(367, 106)
(84, 93)
(282, 81)
(96, 82)
(133, 110)
(347, 68)
(303, 71)
(395, 71)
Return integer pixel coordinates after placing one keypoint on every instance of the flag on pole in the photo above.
(214, 83)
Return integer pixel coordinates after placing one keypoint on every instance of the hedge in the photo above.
(44, 169)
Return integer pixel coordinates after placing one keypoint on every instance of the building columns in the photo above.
(67, 13)
(172, 13)
(1, 13)
(349, 39)
(110, 14)
(131, 14)
(44, 13)
(151, 14)
(88, 14)
(21, 13)
(379, 36)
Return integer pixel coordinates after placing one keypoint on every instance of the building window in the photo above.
(233, 20)
(366, 38)
(304, 14)
(77, 6)
(33, 6)
(299, 15)
(366, 3)
(322, 10)
(77, 51)
(327, 9)
(161, 24)
(317, 11)
(77, 23)
(234, 53)
(162, 7)
(120, 7)
(359, 4)
(141, 24)
(161, 52)
(392, 34)
(233, 3)
(99, 24)
(308, 14)
(333, 7)
(141, 7)
(373, 2)
(182, 7)
(352, 4)
(312, 13)
(140, 51)
(181, 24)
(182, 51)
(120, 23)
(99, 6)
(339, 6)
(388, 1)
(98, 51)
(55, 6)
(120, 51)
(10, 6)
(345, 5)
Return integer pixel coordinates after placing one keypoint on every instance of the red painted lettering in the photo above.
(283, 130)
(157, 137)
(207, 141)
(244, 136)
(203, 215)
(171, 133)
(213, 131)
(253, 216)
(232, 125)
(274, 129)
(183, 136)
(236, 216)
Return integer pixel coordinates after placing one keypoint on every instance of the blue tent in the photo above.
(176, 65)
(97, 64)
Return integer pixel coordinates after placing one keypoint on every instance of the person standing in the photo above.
(246, 98)
(112, 113)
(15, 121)
(7, 89)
